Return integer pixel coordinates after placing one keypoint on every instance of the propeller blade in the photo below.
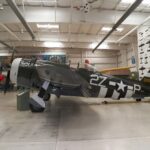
(6, 86)
(12, 56)
(7, 82)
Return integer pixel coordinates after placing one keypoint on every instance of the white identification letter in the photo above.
(137, 87)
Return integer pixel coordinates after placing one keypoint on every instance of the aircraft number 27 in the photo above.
(97, 80)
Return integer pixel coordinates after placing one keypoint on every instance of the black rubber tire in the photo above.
(46, 97)
(105, 102)
(35, 109)
(138, 100)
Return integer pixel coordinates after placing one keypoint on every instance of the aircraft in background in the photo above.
(58, 79)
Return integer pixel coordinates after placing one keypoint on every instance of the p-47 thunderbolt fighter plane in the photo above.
(60, 80)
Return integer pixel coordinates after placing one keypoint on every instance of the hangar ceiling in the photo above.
(64, 23)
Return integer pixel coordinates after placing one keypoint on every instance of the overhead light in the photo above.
(107, 29)
(127, 1)
(102, 46)
(119, 29)
(48, 26)
(5, 54)
(53, 44)
(146, 2)
(54, 53)
(39, 1)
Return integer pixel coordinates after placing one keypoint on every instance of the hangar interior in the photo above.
(66, 32)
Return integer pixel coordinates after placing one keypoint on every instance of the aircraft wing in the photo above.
(117, 71)
(57, 74)
(63, 76)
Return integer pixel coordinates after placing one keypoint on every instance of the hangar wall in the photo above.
(101, 59)
(125, 57)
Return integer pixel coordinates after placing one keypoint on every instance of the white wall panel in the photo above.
(124, 59)
(104, 66)
(101, 59)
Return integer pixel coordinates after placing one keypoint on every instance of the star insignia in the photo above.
(121, 86)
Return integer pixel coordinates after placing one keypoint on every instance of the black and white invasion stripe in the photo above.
(113, 92)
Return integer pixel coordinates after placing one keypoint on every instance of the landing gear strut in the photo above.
(37, 101)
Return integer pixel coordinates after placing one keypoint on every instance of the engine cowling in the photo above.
(14, 70)
(23, 72)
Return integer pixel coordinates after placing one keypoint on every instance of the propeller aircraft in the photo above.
(51, 78)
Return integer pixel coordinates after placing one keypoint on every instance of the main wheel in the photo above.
(138, 100)
(105, 102)
(46, 97)
(36, 109)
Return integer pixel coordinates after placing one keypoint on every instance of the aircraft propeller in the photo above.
(7, 82)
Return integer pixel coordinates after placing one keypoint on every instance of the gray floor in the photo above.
(75, 124)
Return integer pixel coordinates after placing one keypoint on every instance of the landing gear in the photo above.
(35, 109)
(105, 102)
(46, 97)
(138, 99)
(37, 100)
(37, 104)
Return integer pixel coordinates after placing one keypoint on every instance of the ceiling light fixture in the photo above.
(48, 26)
(53, 44)
(127, 1)
(107, 29)
(146, 2)
(39, 1)
(103, 46)
(119, 29)
(54, 53)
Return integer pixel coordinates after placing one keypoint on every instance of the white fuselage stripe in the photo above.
(103, 92)
(130, 87)
(45, 85)
(129, 94)
(115, 95)
(112, 83)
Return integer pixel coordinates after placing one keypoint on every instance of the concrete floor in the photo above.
(75, 124)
